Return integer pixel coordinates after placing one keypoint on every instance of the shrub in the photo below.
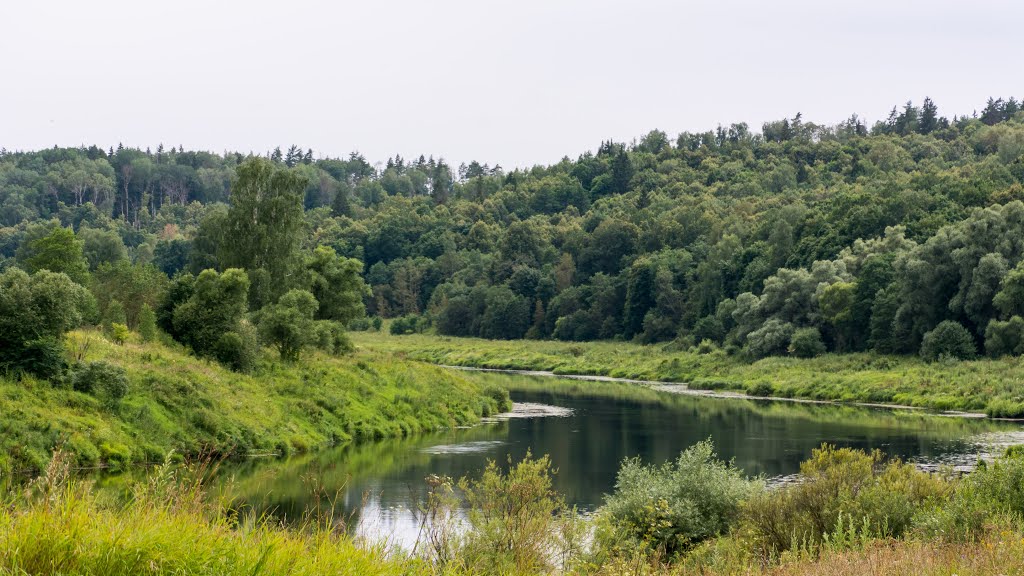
(1005, 338)
(806, 343)
(950, 340)
(1002, 408)
(761, 388)
(147, 324)
(119, 333)
(516, 519)
(101, 379)
(667, 509)
(410, 324)
(771, 338)
(840, 486)
(238, 349)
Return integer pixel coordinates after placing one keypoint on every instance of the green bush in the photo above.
(806, 343)
(667, 509)
(238, 349)
(1005, 338)
(770, 339)
(518, 523)
(840, 486)
(101, 379)
(761, 388)
(119, 333)
(147, 324)
(948, 340)
(411, 324)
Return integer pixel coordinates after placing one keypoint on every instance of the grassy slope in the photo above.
(179, 402)
(993, 385)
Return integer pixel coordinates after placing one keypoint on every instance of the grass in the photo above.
(992, 386)
(178, 402)
(170, 524)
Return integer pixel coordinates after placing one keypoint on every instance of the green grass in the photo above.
(178, 402)
(993, 386)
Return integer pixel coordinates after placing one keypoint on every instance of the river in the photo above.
(588, 429)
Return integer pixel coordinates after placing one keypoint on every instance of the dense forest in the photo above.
(902, 237)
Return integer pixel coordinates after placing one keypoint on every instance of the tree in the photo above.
(215, 307)
(35, 312)
(261, 233)
(147, 324)
(948, 340)
(1005, 338)
(929, 121)
(806, 343)
(102, 246)
(59, 251)
(289, 325)
(1010, 298)
(337, 285)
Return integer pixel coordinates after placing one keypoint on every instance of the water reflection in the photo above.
(377, 487)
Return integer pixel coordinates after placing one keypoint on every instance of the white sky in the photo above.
(508, 82)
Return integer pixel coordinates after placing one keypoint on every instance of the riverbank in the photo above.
(172, 524)
(175, 401)
(992, 387)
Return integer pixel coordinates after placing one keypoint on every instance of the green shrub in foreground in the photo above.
(667, 509)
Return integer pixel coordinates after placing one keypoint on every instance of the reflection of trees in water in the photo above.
(768, 438)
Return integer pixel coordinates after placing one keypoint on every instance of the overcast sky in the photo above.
(508, 82)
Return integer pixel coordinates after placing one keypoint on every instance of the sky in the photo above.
(514, 83)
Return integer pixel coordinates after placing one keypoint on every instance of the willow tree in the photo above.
(263, 227)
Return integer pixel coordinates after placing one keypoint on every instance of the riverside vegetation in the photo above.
(995, 387)
(854, 512)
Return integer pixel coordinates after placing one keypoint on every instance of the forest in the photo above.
(904, 237)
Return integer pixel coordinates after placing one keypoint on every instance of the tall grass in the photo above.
(992, 386)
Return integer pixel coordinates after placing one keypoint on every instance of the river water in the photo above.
(588, 429)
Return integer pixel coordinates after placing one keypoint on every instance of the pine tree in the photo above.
(929, 117)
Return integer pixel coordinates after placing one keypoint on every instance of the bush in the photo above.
(119, 333)
(1005, 338)
(147, 324)
(761, 388)
(331, 337)
(667, 509)
(771, 338)
(948, 340)
(239, 349)
(840, 486)
(411, 324)
(518, 522)
(101, 379)
(806, 343)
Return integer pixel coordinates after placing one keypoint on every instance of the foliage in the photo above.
(215, 306)
(58, 251)
(289, 324)
(840, 485)
(35, 312)
(102, 379)
(515, 518)
(668, 509)
(147, 323)
(261, 229)
(806, 343)
(948, 340)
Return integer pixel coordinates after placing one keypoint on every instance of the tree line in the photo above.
(901, 237)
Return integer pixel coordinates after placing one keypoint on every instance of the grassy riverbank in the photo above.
(171, 524)
(992, 386)
(175, 401)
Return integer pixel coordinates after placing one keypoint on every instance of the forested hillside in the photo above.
(906, 236)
